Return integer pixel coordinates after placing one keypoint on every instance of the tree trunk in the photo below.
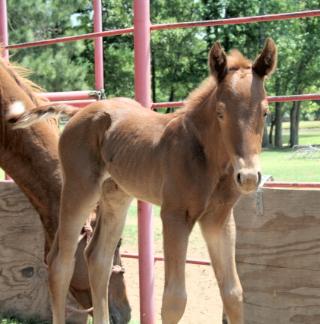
(171, 98)
(273, 122)
(278, 126)
(153, 77)
(265, 139)
(294, 123)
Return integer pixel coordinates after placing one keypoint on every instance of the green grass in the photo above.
(11, 319)
(285, 165)
(303, 124)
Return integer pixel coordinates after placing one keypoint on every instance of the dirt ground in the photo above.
(204, 303)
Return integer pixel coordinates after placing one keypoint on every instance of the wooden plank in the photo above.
(23, 274)
(278, 255)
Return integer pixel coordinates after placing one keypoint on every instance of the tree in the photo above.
(58, 67)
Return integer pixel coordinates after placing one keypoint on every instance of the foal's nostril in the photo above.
(239, 178)
(259, 178)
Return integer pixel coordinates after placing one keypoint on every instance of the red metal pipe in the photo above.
(302, 97)
(290, 185)
(98, 45)
(66, 39)
(160, 258)
(237, 21)
(142, 84)
(4, 28)
(217, 22)
(87, 94)
(68, 95)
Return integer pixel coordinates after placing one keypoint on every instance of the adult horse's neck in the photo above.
(30, 156)
(201, 115)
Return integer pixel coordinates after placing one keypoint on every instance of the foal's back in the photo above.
(121, 139)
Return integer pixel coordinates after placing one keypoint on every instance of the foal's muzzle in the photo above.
(248, 181)
(247, 176)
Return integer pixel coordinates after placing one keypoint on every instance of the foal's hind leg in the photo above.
(218, 229)
(75, 207)
(112, 212)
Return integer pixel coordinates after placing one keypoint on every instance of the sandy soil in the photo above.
(204, 303)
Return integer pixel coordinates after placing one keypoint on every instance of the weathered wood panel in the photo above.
(23, 274)
(278, 255)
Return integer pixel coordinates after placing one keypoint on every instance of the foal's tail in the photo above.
(19, 117)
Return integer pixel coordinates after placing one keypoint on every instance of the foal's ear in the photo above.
(266, 62)
(218, 61)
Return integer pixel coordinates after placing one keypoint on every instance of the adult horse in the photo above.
(30, 157)
(195, 163)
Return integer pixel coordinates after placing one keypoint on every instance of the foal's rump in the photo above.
(114, 137)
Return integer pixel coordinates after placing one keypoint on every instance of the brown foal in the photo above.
(194, 163)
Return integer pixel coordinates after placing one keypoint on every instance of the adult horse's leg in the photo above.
(75, 206)
(112, 213)
(176, 231)
(218, 229)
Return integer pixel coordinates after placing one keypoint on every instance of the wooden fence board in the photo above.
(278, 255)
(23, 274)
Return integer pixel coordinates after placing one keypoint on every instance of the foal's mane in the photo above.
(20, 74)
(235, 61)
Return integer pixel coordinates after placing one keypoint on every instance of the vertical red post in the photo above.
(4, 38)
(98, 45)
(142, 82)
(4, 27)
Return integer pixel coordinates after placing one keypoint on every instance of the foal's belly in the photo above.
(134, 166)
(137, 182)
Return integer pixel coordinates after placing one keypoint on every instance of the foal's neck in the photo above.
(201, 116)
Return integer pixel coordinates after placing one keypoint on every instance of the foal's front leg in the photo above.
(218, 229)
(176, 231)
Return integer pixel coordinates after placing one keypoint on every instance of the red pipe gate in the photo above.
(141, 31)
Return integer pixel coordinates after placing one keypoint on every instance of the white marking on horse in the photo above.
(16, 109)
(234, 81)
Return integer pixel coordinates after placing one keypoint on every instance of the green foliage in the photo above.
(58, 67)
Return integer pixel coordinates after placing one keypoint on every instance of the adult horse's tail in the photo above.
(21, 118)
